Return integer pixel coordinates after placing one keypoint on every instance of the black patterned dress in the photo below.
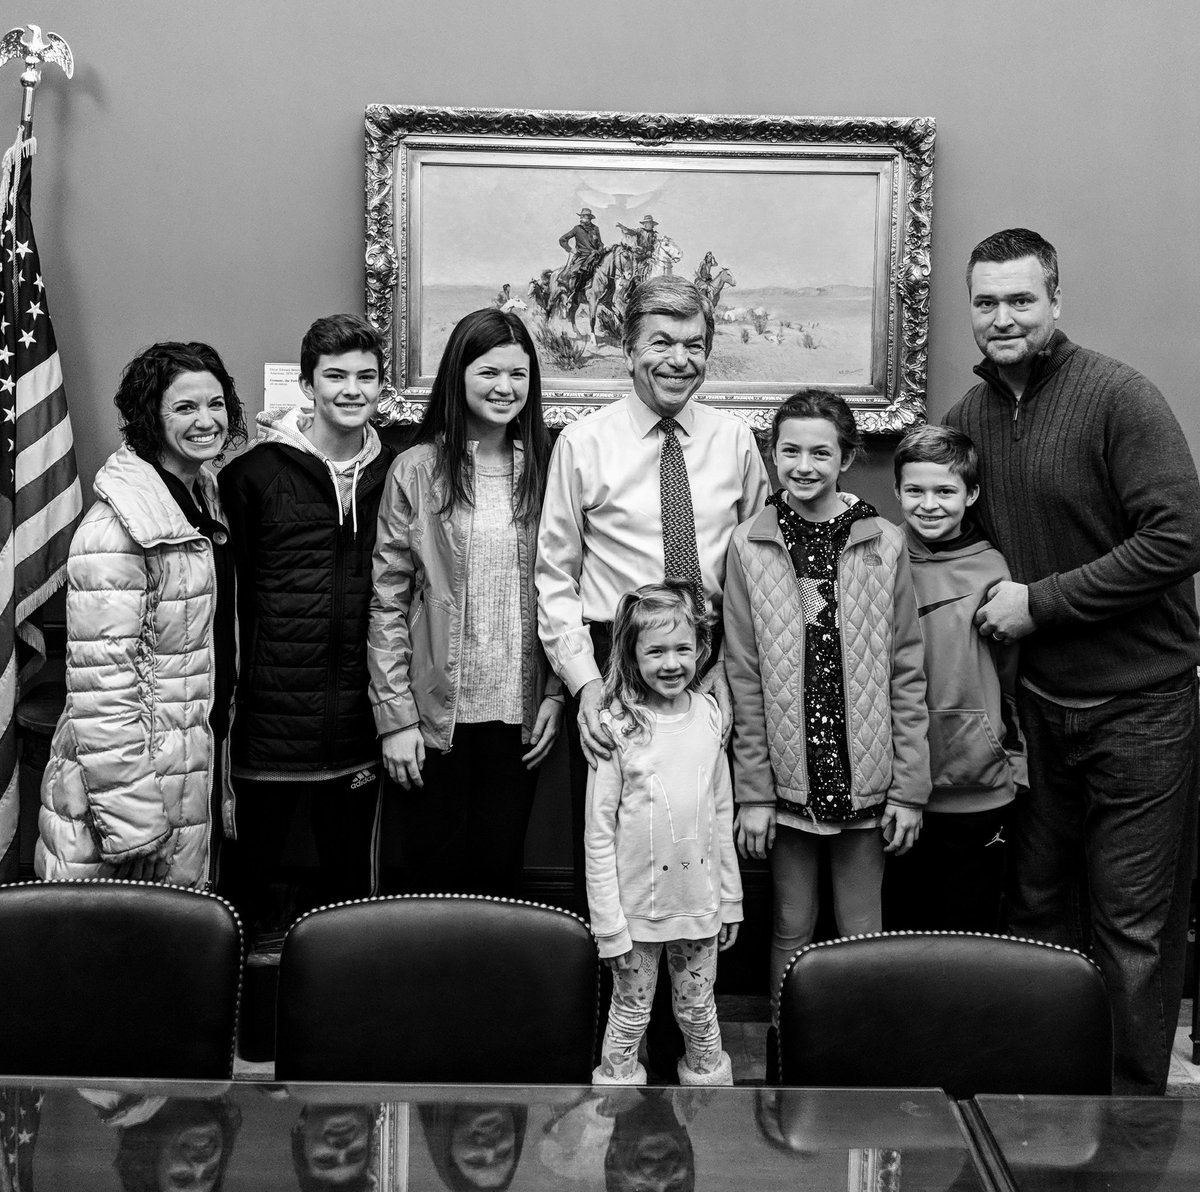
(815, 548)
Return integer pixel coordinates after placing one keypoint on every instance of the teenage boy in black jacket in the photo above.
(302, 506)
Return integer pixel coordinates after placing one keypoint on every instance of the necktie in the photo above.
(680, 557)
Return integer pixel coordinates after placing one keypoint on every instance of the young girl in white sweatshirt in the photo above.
(661, 866)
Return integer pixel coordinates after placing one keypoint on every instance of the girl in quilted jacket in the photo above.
(825, 664)
(662, 873)
(130, 790)
(459, 683)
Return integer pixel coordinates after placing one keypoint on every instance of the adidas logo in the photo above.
(361, 779)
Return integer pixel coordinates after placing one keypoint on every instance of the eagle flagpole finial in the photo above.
(36, 49)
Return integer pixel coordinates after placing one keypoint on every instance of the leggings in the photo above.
(693, 968)
(856, 860)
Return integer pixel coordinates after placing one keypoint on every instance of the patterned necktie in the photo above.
(680, 557)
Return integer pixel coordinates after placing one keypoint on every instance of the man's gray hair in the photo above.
(671, 296)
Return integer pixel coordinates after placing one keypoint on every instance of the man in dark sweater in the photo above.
(1090, 492)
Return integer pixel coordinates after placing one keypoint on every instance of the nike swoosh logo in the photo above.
(925, 609)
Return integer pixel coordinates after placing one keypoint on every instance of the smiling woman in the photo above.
(129, 790)
(195, 424)
(453, 607)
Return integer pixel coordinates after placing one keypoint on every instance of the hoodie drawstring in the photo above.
(337, 490)
(354, 497)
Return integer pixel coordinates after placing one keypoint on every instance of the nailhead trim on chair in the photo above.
(541, 906)
(113, 881)
(875, 935)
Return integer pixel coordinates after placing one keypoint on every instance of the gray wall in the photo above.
(202, 176)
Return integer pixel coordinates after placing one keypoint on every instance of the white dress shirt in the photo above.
(601, 528)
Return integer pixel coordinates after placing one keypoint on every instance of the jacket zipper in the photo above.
(803, 753)
(334, 669)
(841, 584)
(460, 579)
(855, 778)
(209, 876)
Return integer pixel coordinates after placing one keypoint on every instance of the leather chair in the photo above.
(438, 989)
(962, 1012)
(117, 979)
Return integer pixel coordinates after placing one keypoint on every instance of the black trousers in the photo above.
(463, 832)
(342, 814)
(953, 877)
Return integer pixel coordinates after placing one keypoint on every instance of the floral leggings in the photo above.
(692, 965)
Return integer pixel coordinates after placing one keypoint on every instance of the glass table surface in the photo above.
(1093, 1144)
(256, 1137)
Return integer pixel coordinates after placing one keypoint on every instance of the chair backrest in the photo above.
(965, 1013)
(107, 978)
(440, 989)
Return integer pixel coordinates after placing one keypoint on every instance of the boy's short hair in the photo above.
(939, 445)
(334, 335)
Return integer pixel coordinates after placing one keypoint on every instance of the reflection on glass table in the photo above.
(248, 1137)
(1094, 1144)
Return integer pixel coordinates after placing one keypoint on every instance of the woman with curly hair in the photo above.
(129, 790)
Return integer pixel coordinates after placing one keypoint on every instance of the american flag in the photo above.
(40, 500)
(20, 1117)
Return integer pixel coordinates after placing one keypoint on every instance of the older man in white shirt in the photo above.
(602, 530)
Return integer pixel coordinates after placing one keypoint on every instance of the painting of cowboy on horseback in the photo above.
(644, 240)
(598, 278)
(584, 244)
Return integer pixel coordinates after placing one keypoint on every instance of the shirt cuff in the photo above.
(393, 714)
(1047, 606)
(614, 945)
(578, 671)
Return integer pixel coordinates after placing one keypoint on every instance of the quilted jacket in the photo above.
(882, 666)
(304, 584)
(418, 605)
(131, 759)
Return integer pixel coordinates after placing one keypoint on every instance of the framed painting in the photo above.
(809, 236)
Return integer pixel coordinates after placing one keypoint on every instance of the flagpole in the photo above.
(40, 498)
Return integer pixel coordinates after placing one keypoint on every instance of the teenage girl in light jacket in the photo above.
(459, 683)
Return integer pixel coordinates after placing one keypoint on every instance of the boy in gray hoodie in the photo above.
(953, 877)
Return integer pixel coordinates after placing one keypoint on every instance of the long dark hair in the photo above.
(438, 1120)
(139, 1147)
(445, 421)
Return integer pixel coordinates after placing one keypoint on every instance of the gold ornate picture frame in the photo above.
(811, 236)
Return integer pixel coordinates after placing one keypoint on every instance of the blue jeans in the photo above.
(1102, 850)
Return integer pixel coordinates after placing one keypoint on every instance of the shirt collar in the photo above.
(645, 419)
